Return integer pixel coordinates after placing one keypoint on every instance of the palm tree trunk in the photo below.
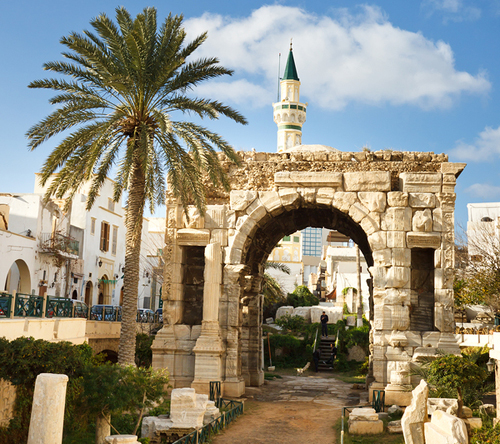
(133, 222)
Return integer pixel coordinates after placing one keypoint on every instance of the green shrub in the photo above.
(291, 323)
(302, 297)
(484, 435)
(143, 352)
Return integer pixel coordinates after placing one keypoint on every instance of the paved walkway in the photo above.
(295, 409)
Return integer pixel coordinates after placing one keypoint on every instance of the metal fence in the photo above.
(59, 307)
(28, 305)
(5, 305)
(230, 411)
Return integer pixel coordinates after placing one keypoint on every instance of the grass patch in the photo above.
(352, 377)
(271, 376)
(386, 438)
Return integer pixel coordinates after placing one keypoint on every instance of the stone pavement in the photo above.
(324, 390)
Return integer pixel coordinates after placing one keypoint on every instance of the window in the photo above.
(104, 236)
(296, 239)
(111, 205)
(115, 240)
(286, 239)
(312, 242)
(92, 226)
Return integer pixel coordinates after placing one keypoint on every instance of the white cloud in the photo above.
(340, 59)
(485, 147)
(484, 191)
(452, 10)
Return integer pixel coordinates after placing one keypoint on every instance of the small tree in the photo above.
(456, 373)
(302, 297)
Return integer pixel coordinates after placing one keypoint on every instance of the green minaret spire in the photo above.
(290, 69)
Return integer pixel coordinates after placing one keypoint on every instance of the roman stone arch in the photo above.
(398, 207)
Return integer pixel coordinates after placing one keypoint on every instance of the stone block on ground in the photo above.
(442, 404)
(334, 313)
(445, 428)
(394, 409)
(395, 427)
(122, 439)
(285, 310)
(363, 414)
(415, 415)
(474, 423)
(366, 427)
(187, 409)
(303, 312)
(154, 425)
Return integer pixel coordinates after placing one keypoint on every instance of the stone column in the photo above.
(208, 348)
(230, 318)
(47, 414)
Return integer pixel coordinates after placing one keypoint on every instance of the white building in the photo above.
(483, 228)
(79, 254)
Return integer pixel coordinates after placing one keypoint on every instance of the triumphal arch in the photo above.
(396, 206)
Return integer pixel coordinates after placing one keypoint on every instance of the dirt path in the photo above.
(291, 410)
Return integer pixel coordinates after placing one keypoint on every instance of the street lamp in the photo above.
(490, 365)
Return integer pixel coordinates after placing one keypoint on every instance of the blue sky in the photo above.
(411, 76)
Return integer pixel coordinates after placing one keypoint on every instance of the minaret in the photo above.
(289, 114)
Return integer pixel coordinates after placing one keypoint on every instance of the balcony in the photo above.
(59, 243)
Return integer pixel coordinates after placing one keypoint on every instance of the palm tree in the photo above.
(125, 81)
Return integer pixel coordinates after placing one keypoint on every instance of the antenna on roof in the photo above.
(279, 70)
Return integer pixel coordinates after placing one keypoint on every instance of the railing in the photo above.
(214, 393)
(28, 305)
(60, 307)
(60, 242)
(203, 435)
(378, 400)
(5, 305)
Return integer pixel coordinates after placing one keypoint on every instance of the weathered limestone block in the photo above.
(371, 223)
(240, 199)
(397, 199)
(444, 296)
(422, 220)
(444, 319)
(334, 313)
(154, 425)
(324, 196)
(47, 413)
(289, 197)
(415, 415)
(257, 211)
(215, 216)
(367, 181)
(192, 219)
(443, 404)
(446, 201)
(423, 240)
(374, 201)
(193, 237)
(358, 212)
(211, 413)
(422, 200)
(382, 258)
(396, 219)
(474, 423)
(396, 239)
(343, 200)
(397, 277)
(122, 439)
(395, 427)
(308, 194)
(363, 414)
(391, 296)
(187, 409)
(449, 182)
(454, 168)
(271, 200)
(391, 317)
(303, 312)
(445, 428)
(437, 219)
(284, 310)
(308, 179)
(420, 182)
(378, 240)
(220, 237)
(401, 257)
(365, 421)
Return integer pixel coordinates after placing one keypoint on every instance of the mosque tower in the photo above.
(289, 114)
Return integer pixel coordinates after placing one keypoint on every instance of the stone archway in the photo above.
(398, 207)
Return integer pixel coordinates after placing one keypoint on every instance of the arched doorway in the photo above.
(104, 290)
(74, 295)
(18, 278)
